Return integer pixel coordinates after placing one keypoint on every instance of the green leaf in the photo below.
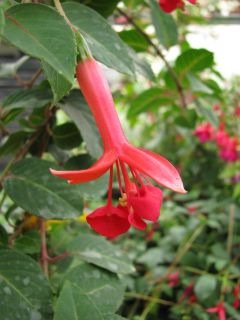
(150, 99)
(197, 85)
(97, 250)
(104, 7)
(24, 291)
(78, 111)
(28, 243)
(67, 136)
(205, 287)
(47, 37)
(232, 312)
(2, 22)
(60, 86)
(36, 97)
(134, 39)
(33, 188)
(105, 44)
(193, 60)
(13, 142)
(165, 26)
(206, 111)
(89, 293)
(141, 66)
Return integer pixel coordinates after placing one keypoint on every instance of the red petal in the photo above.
(153, 165)
(97, 170)
(147, 203)
(170, 5)
(136, 222)
(108, 221)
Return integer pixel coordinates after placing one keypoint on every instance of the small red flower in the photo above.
(220, 310)
(140, 200)
(173, 279)
(205, 132)
(169, 6)
(188, 291)
(236, 293)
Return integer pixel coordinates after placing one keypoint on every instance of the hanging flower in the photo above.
(139, 200)
(220, 310)
(169, 6)
(236, 293)
(173, 279)
(205, 132)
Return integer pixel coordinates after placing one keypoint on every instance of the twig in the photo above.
(59, 8)
(160, 54)
(30, 83)
(148, 298)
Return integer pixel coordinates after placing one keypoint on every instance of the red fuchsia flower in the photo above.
(192, 299)
(188, 291)
(220, 310)
(169, 6)
(222, 137)
(191, 210)
(139, 200)
(236, 293)
(229, 152)
(205, 132)
(173, 279)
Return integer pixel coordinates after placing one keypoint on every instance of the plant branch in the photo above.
(160, 54)
(230, 229)
(59, 8)
(44, 253)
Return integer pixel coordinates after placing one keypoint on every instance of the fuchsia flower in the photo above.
(229, 152)
(169, 6)
(173, 279)
(140, 200)
(220, 310)
(205, 132)
(236, 293)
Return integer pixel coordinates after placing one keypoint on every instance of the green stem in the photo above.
(230, 229)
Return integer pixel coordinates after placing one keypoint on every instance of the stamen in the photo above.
(119, 178)
(123, 200)
(126, 178)
(110, 186)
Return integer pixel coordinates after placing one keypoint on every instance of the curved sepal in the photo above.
(153, 165)
(94, 172)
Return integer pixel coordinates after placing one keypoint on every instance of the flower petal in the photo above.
(155, 166)
(108, 221)
(147, 203)
(136, 222)
(94, 172)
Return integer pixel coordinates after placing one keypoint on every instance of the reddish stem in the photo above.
(44, 253)
(99, 98)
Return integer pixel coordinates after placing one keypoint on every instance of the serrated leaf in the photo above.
(37, 36)
(60, 86)
(88, 294)
(67, 136)
(165, 26)
(193, 60)
(36, 97)
(33, 188)
(78, 111)
(205, 287)
(97, 250)
(24, 291)
(148, 100)
(105, 44)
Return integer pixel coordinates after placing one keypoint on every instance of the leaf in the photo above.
(193, 60)
(105, 44)
(67, 136)
(24, 291)
(97, 250)
(165, 26)
(33, 188)
(88, 294)
(60, 86)
(78, 111)
(12, 144)
(36, 97)
(150, 99)
(141, 66)
(232, 312)
(153, 257)
(2, 22)
(134, 39)
(197, 85)
(205, 287)
(104, 7)
(47, 37)
(206, 111)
